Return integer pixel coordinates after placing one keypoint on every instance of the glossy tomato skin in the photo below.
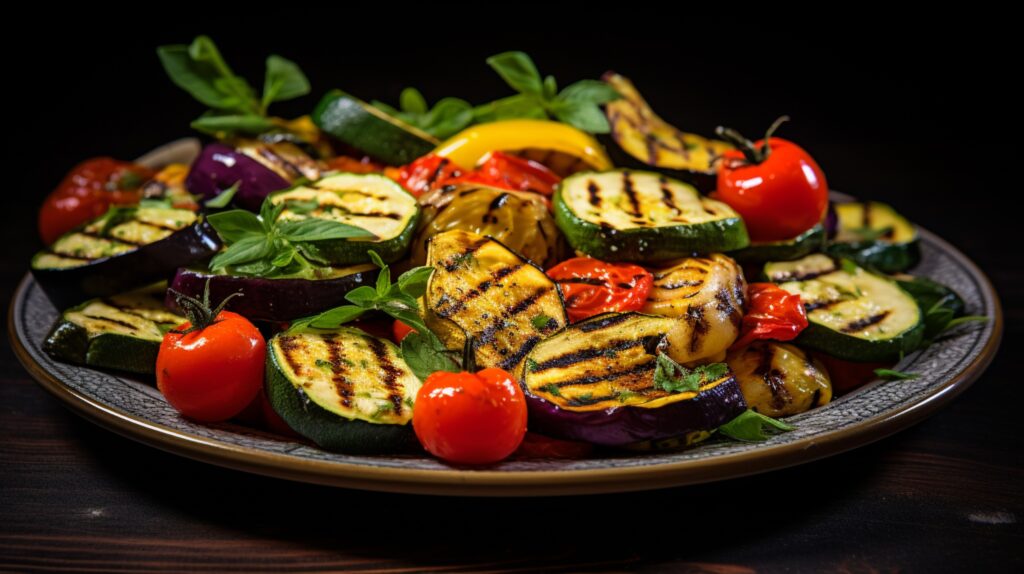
(87, 191)
(212, 374)
(468, 418)
(779, 198)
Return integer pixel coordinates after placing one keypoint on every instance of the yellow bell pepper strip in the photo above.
(469, 146)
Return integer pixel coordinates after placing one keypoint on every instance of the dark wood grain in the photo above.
(943, 496)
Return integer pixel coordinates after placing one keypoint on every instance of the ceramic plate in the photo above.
(134, 408)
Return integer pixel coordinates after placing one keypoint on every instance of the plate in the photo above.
(134, 408)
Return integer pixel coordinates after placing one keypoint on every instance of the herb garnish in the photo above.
(672, 377)
(892, 375)
(751, 425)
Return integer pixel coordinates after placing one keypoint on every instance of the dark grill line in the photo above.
(341, 384)
(591, 379)
(574, 357)
(865, 322)
(391, 373)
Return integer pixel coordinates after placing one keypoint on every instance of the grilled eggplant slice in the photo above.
(279, 298)
(126, 248)
(121, 332)
(343, 389)
(624, 215)
(483, 290)
(370, 201)
(520, 221)
(648, 141)
(707, 295)
(778, 379)
(594, 381)
(875, 236)
(853, 314)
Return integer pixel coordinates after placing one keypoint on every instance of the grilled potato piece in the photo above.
(779, 380)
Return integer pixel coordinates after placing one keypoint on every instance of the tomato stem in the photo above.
(751, 152)
(199, 313)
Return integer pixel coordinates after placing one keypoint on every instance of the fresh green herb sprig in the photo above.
(422, 350)
(262, 246)
(893, 375)
(538, 98)
(448, 117)
(752, 426)
(672, 377)
(200, 70)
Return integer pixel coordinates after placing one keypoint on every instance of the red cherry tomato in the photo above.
(470, 418)
(86, 193)
(211, 374)
(772, 313)
(591, 286)
(400, 330)
(779, 190)
(847, 375)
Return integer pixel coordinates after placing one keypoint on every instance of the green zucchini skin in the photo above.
(810, 241)
(842, 300)
(646, 243)
(368, 129)
(329, 430)
(344, 252)
(898, 249)
(882, 257)
(71, 342)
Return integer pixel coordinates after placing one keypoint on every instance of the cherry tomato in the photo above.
(213, 372)
(772, 313)
(470, 418)
(778, 188)
(847, 375)
(400, 330)
(591, 286)
(86, 193)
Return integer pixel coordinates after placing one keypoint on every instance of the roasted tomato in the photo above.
(591, 286)
(86, 193)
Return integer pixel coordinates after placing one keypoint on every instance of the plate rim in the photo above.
(473, 482)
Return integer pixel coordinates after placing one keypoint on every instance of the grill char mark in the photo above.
(391, 373)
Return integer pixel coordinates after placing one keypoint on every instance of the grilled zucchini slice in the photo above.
(875, 236)
(853, 314)
(624, 215)
(650, 141)
(778, 379)
(121, 332)
(707, 295)
(343, 389)
(370, 130)
(594, 381)
(482, 289)
(372, 202)
(811, 241)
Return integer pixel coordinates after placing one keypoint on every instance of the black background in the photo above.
(918, 114)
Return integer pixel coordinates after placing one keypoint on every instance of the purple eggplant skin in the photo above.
(831, 222)
(620, 426)
(112, 275)
(218, 167)
(265, 299)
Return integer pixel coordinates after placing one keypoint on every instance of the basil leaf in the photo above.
(116, 215)
(236, 225)
(509, 108)
(363, 296)
(318, 230)
(284, 256)
(194, 77)
(448, 117)
(384, 281)
(518, 71)
(751, 426)
(412, 101)
(425, 354)
(251, 248)
(891, 375)
(238, 93)
(583, 115)
(965, 319)
(589, 91)
(550, 88)
(269, 212)
(283, 81)
(336, 316)
(244, 123)
(414, 281)
(376, 259)
(223, 199)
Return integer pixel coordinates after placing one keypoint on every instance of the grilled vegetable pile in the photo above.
(383, 279)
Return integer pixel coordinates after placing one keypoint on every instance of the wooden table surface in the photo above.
(945, 495)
